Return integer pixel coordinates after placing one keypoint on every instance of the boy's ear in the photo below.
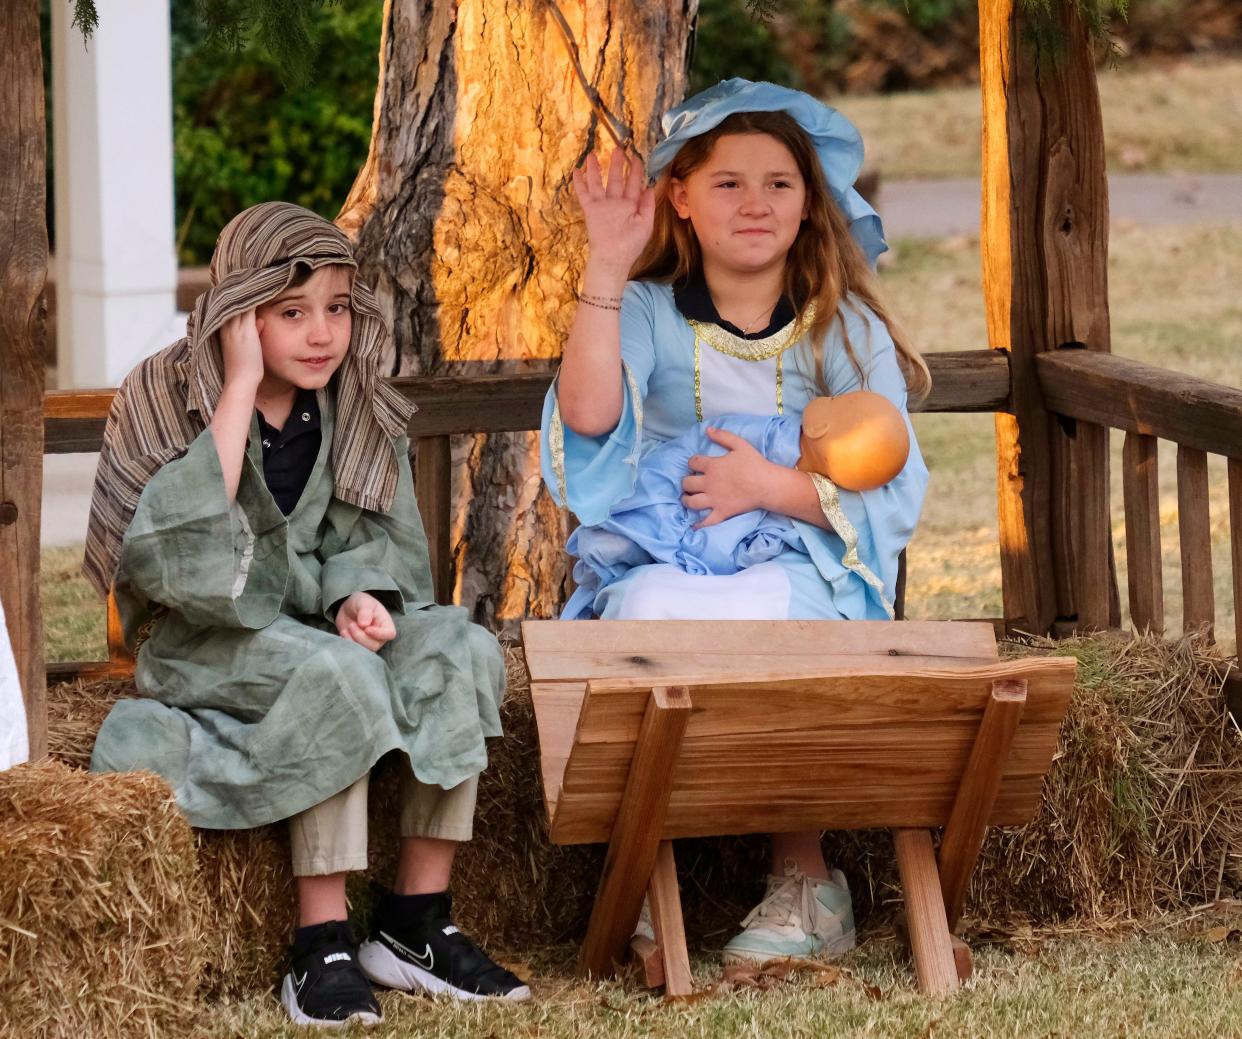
(677, 196)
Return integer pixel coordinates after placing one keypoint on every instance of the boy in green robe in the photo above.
(254, 496)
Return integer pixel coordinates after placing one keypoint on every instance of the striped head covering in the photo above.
(168, 399)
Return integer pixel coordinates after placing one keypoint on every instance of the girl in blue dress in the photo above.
(740, 284)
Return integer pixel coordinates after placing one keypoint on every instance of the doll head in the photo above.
(858, 440)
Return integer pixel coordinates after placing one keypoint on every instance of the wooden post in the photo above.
(433, 487)
(23, 271)
(670, 931)
(1235, 541)
(1140, 479)
(929, 929)
(1194, 526)
(968, 822)
(1044, 237)
(636, 833)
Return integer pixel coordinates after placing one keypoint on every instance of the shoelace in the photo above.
(783, 900)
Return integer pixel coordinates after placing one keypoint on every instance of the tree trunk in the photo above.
(1045, 272)
(23, 270)
(465, 218)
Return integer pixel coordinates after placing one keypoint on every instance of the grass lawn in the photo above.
(1058, 986)
(1185, 116)
(1174, 302)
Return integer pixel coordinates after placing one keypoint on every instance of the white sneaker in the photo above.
(799, 916)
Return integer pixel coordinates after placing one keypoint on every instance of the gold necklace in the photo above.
(755, 320)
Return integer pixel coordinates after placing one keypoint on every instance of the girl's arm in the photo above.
(243, 371)
(619, 218)
(743, 479)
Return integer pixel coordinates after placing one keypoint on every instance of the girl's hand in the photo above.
(619, 214)
(728, 485)
(363, 619)
(242, 351)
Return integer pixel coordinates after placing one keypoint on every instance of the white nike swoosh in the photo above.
(299, 982)
(426, 959)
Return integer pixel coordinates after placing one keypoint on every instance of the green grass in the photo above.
(1157, 118)
(1174, 302)
(74, 621)
(1066, 986)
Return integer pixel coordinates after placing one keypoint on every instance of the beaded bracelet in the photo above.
(603, 302)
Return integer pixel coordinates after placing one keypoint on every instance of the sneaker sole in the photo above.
(838, 946)
(288, 999)
(384, 967)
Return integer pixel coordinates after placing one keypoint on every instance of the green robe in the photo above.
(255, 709)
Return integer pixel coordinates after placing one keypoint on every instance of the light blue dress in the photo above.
(677, 373)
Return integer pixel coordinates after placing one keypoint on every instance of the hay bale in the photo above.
(100, 905)
(1142, 807)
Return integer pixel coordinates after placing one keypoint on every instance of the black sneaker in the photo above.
(429, 954)
(324, 986)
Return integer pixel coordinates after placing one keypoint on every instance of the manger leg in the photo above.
(670, 930)
(636, 833)
(925, 918)
(976, 796)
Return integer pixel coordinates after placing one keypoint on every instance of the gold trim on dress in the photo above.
(830, 502)
(556, 432)
(556, 444)
(731, 345)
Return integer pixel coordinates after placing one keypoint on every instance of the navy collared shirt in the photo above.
(289, 453)
(694, 301)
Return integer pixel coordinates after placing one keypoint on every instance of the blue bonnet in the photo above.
(835, 138)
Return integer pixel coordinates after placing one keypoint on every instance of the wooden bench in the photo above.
(650, 731)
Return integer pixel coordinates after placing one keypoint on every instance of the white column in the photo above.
(116, 266)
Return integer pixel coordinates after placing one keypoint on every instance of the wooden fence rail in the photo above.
(1100, 391)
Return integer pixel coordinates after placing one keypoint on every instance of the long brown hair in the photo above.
(824, 266)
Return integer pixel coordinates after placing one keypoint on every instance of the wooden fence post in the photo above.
(23, 271)
(1044, 238)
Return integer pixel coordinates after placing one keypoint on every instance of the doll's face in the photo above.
(746, 203)
(304, 332)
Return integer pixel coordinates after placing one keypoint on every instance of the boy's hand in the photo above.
(241, 349)
(363, 619)
(727, 485)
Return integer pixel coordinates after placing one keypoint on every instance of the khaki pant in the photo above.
(331, 837)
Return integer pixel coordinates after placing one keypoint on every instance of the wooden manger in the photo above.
(651, 731)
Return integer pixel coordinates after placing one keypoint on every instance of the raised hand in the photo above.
(243, 353)
(363, 619)
(619, 212)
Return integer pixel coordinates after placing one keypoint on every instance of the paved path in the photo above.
(911, 209)
(943, 208)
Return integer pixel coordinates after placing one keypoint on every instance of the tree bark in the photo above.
(23, 270)
(1045, 270)
(464, 217)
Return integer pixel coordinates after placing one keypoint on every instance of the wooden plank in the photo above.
(1143, 398)
(635, 838)
(1093, 578)
(1140, 479)
(844, 698)
(23, 271)
(962, 381)
(1194, 525)
(433, 488)
(925, 917)
(664, 897)
(981, 780)
(557, 651)
(869, 756)
(1235, 542)
(557, 706)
